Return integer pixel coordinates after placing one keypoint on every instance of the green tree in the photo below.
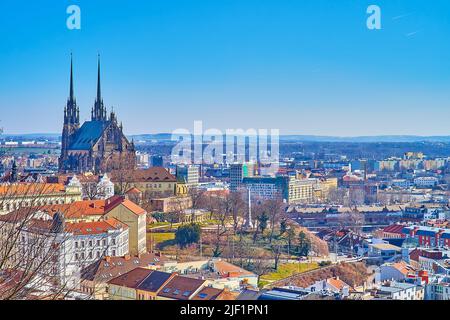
(262, 222)
(283, 226)
(290, 236)
(304, 244)
(188, 234)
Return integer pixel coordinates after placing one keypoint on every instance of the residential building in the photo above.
(95, 276)
(398, 271)
(401, 291)
(384, 251)
(171, 204)
(18, 195)
(426, 182)
(151, 181)
(134, 217)
(181, 288)
(94, 240)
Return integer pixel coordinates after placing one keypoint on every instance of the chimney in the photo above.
(127, 257)
(108, 259)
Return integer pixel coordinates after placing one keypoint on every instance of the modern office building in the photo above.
(239, 171)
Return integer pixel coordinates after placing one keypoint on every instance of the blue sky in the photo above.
(302, 66)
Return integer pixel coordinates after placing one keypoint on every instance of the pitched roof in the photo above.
(208, 293)
(95, 227)
(337, 283)
(385, 246)
(394, 228)
(110, 267)
(403, 267)
(153, 174)
(131, 279)
(133, 190)
(77, 209)
(88, 135)
(154, 281)
(226, 269)
(115, 201)
(181, 288)
(30, 189)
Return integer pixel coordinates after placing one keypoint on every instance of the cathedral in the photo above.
(99, 145)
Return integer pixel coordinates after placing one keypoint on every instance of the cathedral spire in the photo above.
(71, 110)
(71, 98)
(99, 92)
(99, 112)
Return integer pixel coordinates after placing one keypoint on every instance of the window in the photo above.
(76, 244)
(98, 243)
(104, 242)
(113, 242)
(90, 254)
(82, 244)
(90, 243)
(98, 254)
(114, 252)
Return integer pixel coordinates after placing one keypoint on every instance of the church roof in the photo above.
(88, 134)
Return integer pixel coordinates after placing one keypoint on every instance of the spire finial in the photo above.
(71, 77)
(99, 93)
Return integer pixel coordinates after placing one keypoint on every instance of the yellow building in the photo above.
(19, 195)
(134, 217)
(152, 181)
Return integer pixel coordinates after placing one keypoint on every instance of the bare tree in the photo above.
(36, 250)
(274, 209)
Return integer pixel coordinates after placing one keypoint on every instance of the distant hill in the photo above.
(312, 138)
(284, 138)
(388, 138)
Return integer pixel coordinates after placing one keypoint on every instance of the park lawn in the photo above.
(158, 224)
(289, 269)
(160, 237)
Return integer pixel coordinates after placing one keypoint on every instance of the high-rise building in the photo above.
(239, 171)
(188, 174)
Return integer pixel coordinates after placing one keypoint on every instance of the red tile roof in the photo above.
(394, 228)
(31, 189)
(337, 283)
(77, 209)
(96, 227)
(111, 267)
(115, 201)
(181, 288)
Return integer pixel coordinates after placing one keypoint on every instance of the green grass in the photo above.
(160, 237)
(158, 224)
(289, 269)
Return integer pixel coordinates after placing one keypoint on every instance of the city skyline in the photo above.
(310, 68)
